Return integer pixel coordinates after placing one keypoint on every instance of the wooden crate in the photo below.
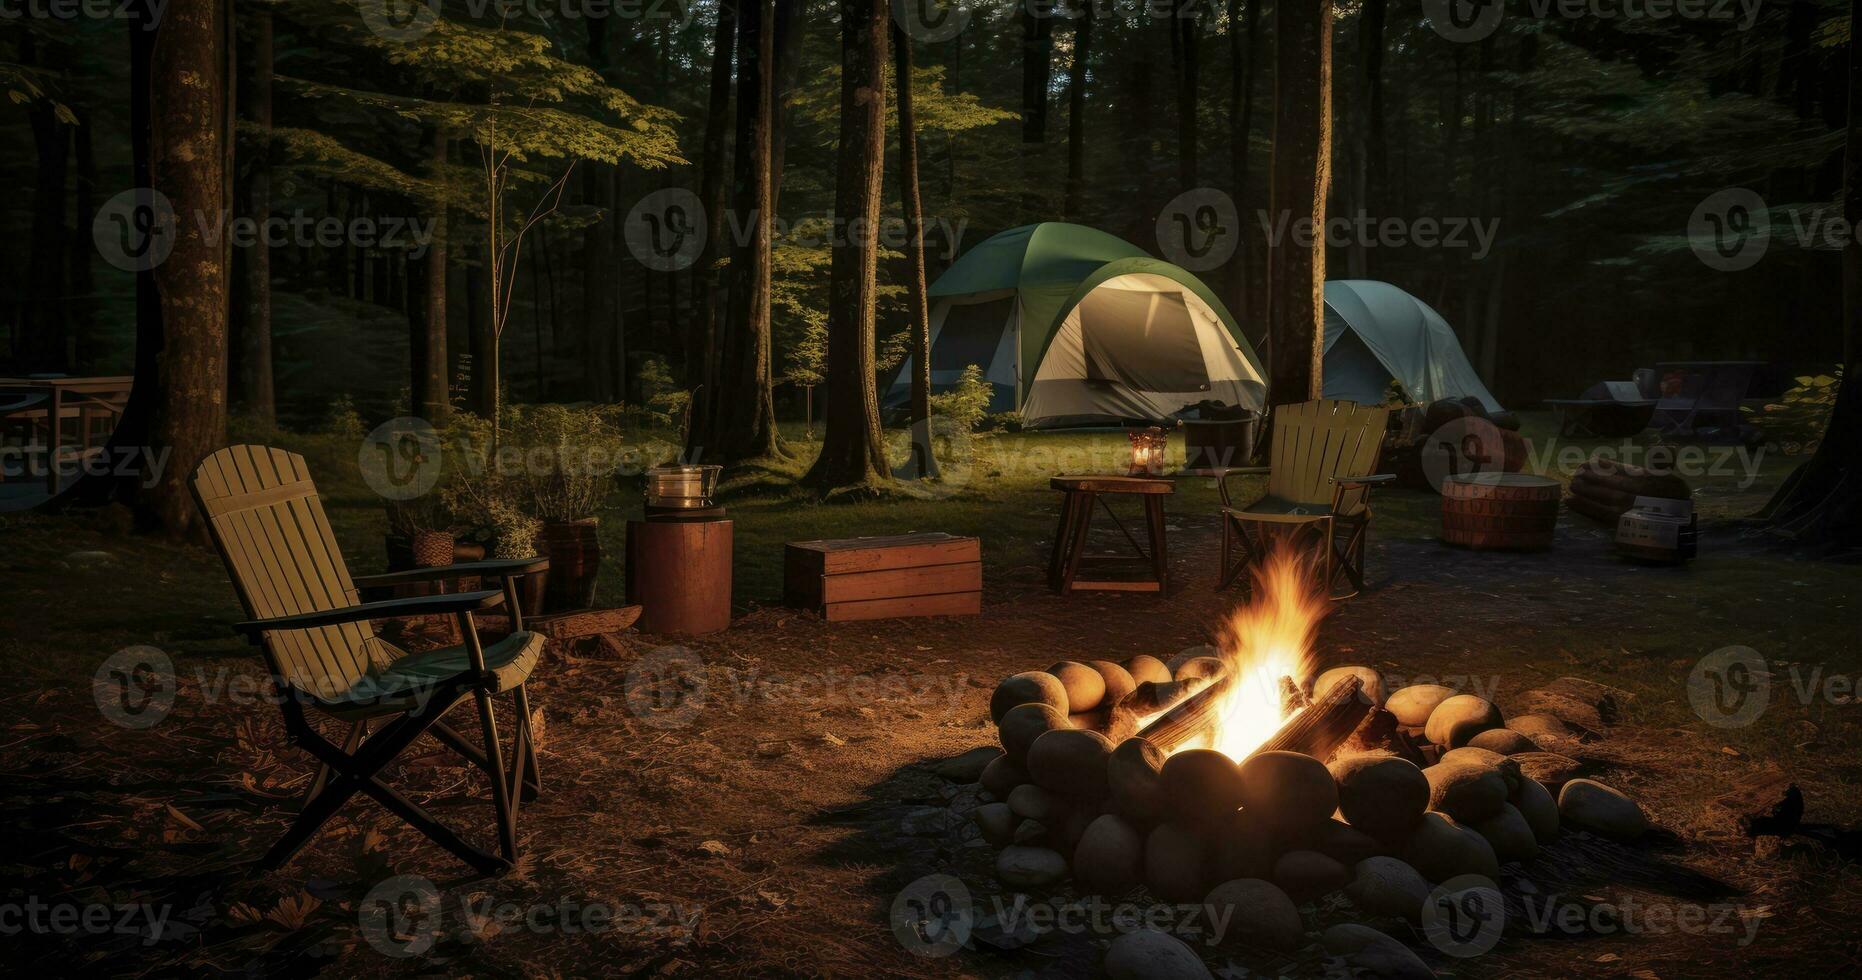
(929, 574)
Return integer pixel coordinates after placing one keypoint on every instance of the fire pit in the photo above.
(1249, 779)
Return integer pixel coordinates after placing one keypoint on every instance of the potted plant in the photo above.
(570, 454)
(514, 535)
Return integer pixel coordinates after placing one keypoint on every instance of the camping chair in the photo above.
(268, 523)
(1324, 457)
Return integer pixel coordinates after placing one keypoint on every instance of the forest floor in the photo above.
(771, 831)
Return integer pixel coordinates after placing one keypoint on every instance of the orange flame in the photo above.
(1270, 637)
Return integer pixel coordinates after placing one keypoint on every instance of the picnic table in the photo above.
(1700, 394)
(56, 398)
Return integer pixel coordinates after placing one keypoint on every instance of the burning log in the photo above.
(1292, 699)
(1321, 728)
(1189, 718)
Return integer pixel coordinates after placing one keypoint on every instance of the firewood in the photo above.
(1292, 699)
(1151, 697)
(1320, 729)
(1374, 734)
(1189, 718)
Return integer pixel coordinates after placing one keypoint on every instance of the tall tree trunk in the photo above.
(601, 294)
(432, 374)
(701, 367)
(1076, 109)
(922, 465)
(481, 341)
(43, 345)
(1037, 58)
(1186, 27)
(253, 325)
(1820, 504)
(189, 154)
(742, 413)
(851, 451)
(1301, 174)
(599, 297)
(81, 310)
(1249, 286)
(1371, 55)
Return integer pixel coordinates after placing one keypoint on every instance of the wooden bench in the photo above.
(927, 574)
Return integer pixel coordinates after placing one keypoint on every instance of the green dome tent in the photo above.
(1077, 327)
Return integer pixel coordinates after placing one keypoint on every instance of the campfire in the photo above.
(1250, 777)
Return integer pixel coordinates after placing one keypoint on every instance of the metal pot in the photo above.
(682, 486)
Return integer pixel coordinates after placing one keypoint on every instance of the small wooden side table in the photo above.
(679, 574)
(1076, 518)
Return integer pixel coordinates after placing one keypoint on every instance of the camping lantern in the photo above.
(1147, 451)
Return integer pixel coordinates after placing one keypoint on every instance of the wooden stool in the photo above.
(679, 573)
(1076, 517)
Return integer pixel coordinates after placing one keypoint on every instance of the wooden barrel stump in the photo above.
(1500, 511)
(679, 573)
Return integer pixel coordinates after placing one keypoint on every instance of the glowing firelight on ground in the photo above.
(1265, 639)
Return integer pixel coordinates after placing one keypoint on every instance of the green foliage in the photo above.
(23, 85)
(1795, 423)
(343, 421)
(666, 401)
(965, 404)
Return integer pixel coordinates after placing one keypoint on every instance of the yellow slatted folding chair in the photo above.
(306, 614)
(1324, 465)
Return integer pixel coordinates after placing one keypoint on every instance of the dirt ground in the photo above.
(764, 822)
